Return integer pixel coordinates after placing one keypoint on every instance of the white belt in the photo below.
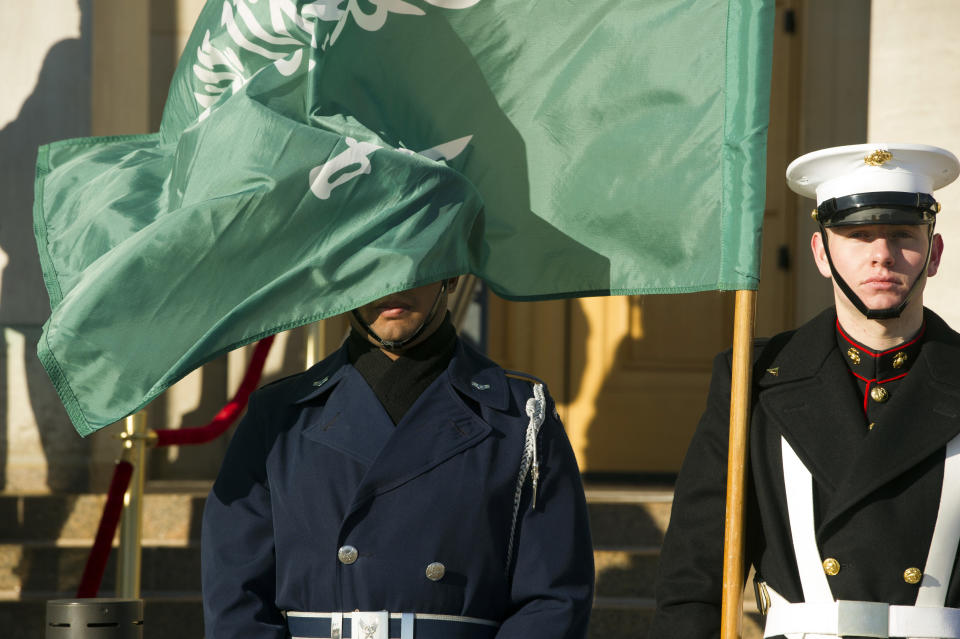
(858, 618)
(820, 616)
(380, 624)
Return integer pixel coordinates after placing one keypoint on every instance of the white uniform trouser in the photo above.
(820, 616)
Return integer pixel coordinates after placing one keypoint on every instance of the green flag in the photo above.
(314, 156)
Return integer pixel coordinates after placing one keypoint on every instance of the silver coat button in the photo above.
(347, 554)
(436, 571)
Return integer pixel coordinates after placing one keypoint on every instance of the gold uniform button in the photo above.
(436, 571)
(831, 566)
(871, 425)
(912, 575)
(879, 394)
(347, 554)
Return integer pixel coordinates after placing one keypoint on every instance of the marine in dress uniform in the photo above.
(853, 500)
(407, 489)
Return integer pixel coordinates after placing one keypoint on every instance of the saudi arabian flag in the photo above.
(314, 156)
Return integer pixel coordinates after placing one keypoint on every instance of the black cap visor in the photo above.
(878, 215)
(893, 207)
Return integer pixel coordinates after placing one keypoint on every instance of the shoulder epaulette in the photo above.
(278, 381)
(525, 377)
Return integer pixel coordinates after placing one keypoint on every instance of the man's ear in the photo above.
(820, 254)
(936, 252)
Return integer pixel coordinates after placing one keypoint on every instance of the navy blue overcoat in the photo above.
(317, 465)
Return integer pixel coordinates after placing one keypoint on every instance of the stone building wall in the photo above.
(915, 97)
(46, 51)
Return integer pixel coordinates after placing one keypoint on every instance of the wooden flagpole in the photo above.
(733, 545)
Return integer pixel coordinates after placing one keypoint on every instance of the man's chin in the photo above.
(883, 302)
(392, 335)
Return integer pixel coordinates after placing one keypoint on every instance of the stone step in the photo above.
(627, 523)
(623, 618)
(31, 568)
(171, 514)
(627, 516)
(626, 572)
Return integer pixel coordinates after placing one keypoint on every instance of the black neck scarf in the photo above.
(398, 384)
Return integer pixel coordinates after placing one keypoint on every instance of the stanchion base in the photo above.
(94, 618)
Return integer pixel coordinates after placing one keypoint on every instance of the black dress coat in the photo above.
(876, 492)
(317, 464)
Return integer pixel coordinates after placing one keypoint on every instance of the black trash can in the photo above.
(94, 618)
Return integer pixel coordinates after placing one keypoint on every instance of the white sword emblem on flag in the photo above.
(359, 153)
(281, 40)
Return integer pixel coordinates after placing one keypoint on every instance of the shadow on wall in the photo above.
(627, 532)
(58, 108)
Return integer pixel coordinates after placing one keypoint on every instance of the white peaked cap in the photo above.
(868, 168)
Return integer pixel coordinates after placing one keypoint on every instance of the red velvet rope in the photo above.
(97, 560)
(229, 413)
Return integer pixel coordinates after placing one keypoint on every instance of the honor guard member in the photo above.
(406, 487)
(853, 497)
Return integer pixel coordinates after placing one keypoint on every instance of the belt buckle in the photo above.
(863, 618)
(762, 595)
(370, 625)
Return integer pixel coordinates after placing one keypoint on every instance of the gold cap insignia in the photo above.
(878, 157)
(899, 359)
(854, 355)
(814, 215)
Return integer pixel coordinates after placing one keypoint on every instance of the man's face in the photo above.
(879, 261)
(398, 316)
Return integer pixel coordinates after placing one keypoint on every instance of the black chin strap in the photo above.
(880, 313)
(392, 345)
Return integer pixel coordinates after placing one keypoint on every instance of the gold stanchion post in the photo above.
(135, 439)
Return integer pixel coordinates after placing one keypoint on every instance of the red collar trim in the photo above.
(872, 353)
(878, 381)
